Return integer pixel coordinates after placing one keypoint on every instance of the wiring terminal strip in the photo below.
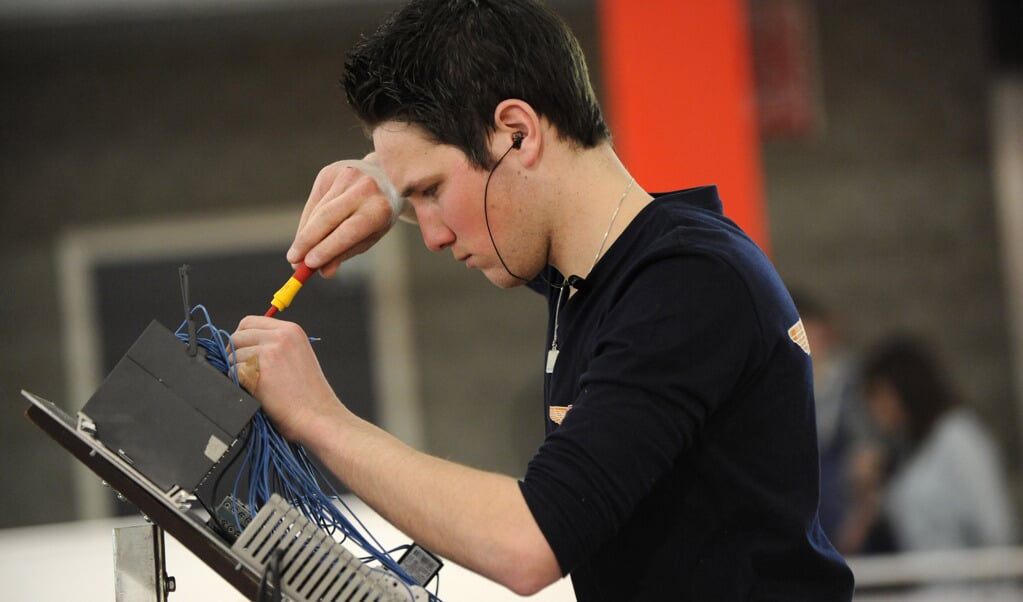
(311, 565)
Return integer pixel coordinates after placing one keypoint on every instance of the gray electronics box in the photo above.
(169, 414)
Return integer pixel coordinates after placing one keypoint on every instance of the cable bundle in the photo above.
(275, 465)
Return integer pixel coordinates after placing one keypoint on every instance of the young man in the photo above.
(680, 461)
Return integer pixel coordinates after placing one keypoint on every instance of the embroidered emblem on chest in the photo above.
(557, 413)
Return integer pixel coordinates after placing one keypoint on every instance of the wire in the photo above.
(486, 216)
(216, 343)
(275, 465)
(270, 582)
(493, 241)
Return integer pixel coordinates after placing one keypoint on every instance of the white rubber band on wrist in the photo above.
(399, 206)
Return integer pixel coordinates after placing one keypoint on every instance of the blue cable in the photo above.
(276, 465)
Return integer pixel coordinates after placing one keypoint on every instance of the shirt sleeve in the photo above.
(670, 352)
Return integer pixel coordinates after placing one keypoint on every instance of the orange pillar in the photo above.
(680, 99)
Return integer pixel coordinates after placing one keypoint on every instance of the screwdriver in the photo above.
(283, 297)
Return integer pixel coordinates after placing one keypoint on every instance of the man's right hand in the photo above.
(351, 206)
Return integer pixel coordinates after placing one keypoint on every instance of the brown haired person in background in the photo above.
(939, 483)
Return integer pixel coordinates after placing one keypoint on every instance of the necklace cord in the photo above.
(552, 353)
(614, 216)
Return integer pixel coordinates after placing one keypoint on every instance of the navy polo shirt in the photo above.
(680, 461)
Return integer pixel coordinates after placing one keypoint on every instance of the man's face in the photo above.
(447, 194)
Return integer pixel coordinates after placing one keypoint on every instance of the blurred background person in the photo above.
(842, 423)
(938, 482)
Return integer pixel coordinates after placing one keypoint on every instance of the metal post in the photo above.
(140, 570)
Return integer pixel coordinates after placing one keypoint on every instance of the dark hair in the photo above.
(911, 367)
(445, 65)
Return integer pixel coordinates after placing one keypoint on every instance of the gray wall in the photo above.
(103, 122)
(887, 214)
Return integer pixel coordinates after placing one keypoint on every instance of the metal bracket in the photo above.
(181, 498)
(86, 425)
(140, 570)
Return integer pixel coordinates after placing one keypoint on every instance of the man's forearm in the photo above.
(475, 518)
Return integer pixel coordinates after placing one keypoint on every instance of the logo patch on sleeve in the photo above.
(798, 335)
(557, 413)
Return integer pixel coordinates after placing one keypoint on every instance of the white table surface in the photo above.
(74, 561)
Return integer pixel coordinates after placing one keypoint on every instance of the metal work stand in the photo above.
(140, 569)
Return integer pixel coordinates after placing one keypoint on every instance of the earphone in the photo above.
(517, 138)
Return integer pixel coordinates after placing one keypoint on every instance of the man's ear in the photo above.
(516, 124)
